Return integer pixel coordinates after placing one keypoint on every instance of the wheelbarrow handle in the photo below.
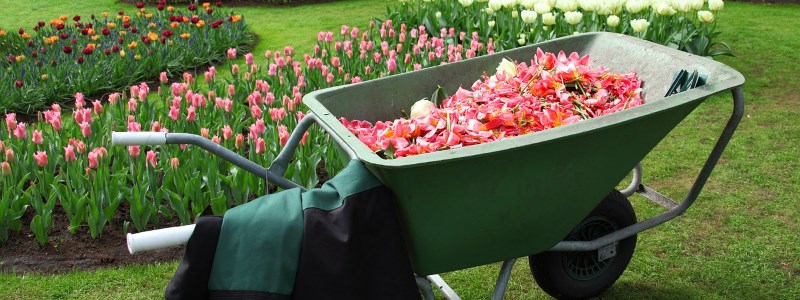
(160, 238)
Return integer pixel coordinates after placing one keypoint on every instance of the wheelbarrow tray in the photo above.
(486, 203)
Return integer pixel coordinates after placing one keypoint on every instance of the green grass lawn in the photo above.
(740, 240)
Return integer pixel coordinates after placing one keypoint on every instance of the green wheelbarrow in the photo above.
(549, 195)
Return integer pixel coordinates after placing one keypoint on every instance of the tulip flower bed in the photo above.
(68, 161)
(518, 99)
(99, 53)
(684, 24)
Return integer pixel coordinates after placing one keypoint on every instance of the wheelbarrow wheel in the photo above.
(581, 274)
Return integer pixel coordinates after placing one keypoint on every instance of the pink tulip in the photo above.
(190, 114)
(79, 100)
(231, 53)
(86, 129)
(248, 58)
(283, 135)
(36, 137)
(69, 153)
(216, 139)
(300, 116)
(269, 98)
(173, 162)
(98, 108)
(356, 79)
(261, 146)
(93, 162)
(174, 113)
(304, 139)
(155, 126)
(239, 141)
(212, 70)
(162, 77)
(20, 131)
(9, 155)
(151, 158)
(133, 151)
(188, 78)
(277, 114)
(235, 69)
(273, 70)
(2, 146)
(391, 64)
(113, 98)
(204, 132)
(231, 90)
(134, 126)
(132, 105)
(227, 132)
(5, 169)
(41, 158)
(11, 121)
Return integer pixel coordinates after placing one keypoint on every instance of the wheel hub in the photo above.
(587, 265)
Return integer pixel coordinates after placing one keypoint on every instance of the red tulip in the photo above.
(76, 18)
(67, 49)
(105, 31)
(19, 83)
(139, 5)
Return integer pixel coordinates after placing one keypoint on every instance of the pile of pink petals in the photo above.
(554, 90)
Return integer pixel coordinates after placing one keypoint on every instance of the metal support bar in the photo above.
(705, 172)
(442, 286)
(502, 279)
(236, 159)
(657, 197)
(636, 182)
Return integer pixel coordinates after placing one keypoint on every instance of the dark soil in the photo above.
(66, 252)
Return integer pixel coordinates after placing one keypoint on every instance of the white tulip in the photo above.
(490, 23)
(715, 5)
(528, 4)
(541, 8)
(495, 5)
(635, 6)
(567, 5)
(421, 108)
(508, 67)
(639, 25)
(665, 9)
(705, 16)
(612, 21)
(589, 5)
(548, 19)
(438, 15)
(489, 11)
(573, 17)
(465, 3)
(528, 16)
(514, 14)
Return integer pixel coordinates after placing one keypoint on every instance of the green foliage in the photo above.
(100, 53)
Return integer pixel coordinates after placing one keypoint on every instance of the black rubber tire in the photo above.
(551, 270)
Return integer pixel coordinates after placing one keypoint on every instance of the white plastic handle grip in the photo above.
(138, 138)
(159, 239)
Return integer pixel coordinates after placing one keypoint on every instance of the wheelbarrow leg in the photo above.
(502, 279)
(425, 288)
